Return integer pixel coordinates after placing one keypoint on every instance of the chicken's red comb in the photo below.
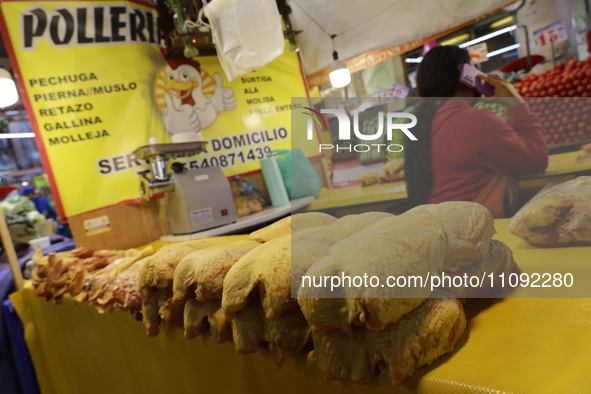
(179, 61)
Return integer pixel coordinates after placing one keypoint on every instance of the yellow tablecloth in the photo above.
(358, 195)
(511, 345)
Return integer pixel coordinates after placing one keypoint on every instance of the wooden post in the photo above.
(11, 253)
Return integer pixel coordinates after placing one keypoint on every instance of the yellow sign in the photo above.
(243, 120)
(96, 87)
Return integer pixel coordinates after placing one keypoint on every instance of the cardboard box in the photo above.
(120, 226)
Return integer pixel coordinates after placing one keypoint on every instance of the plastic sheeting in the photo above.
(510, 345)
(375, 24)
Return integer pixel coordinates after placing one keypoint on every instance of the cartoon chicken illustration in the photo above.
(188, 110)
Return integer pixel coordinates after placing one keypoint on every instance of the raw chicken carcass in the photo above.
(412, 244)
(202, 272)
(126, 293)
(498, 261)
(369, 178)
(353, 223)
(309, 245)
(469, 227)
(200, 317)
(284, 337)
(290, 224)
(558, 216)
(59, 273)
(419, 338)
(123, 269)
(261, 264)
(156, 277)
(159, 271)
(269, 266)
(98, 286)
(393, 168)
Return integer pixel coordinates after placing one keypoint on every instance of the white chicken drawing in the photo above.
(188, 110)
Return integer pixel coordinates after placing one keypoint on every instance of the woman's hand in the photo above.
(505, 92)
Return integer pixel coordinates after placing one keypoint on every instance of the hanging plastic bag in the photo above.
(247, 34)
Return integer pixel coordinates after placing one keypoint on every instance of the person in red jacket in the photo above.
(464, 153)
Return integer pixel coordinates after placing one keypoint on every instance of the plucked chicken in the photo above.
(201, 274)
(268, 268)
(412, 244)
(469, 227)
(290, 224)
(156, 278)
(417, 339)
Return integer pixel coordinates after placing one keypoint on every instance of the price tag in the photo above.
(478, 52)
(383, 96)
(352, 104)
(554, 32)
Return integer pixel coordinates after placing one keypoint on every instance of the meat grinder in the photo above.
(197, 199)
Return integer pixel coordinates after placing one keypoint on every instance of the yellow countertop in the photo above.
(511, 345)
(358, 195)
(558, 165)
(561, 164)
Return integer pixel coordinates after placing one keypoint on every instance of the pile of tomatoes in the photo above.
(565, 119)
(557, 97)
(572, 80)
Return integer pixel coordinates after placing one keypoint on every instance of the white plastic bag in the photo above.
(247, 34)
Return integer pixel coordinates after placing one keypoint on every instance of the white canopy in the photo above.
(367, 25)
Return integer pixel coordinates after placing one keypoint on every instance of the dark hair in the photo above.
(438, 76)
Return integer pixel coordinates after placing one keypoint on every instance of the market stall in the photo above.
(183, 176)
(511, 345)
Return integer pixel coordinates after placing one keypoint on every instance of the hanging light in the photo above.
(340, 76)
(8, 93)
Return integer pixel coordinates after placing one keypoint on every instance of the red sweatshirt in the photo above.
(469, 145)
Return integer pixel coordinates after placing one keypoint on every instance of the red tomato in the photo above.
(571, 93)
(551, 91)
(568, 86)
